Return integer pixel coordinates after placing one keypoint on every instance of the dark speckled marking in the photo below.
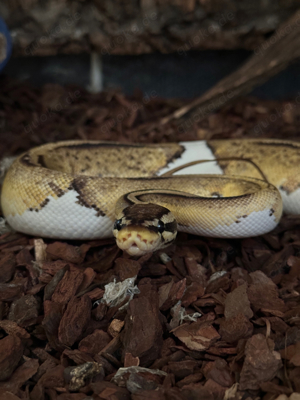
(44, 203)
(56, 189)
(98, 145)
(138, 213)
(78, 185)
(281, 144)
(169, 227)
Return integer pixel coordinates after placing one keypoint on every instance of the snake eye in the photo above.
(160, 226)
(118, 224)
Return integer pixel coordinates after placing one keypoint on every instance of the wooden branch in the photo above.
(271, 57)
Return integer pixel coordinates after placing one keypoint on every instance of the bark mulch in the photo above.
(204, 319)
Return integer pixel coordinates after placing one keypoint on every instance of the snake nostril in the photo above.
(139, 236)
(145, 240)
(129, 235)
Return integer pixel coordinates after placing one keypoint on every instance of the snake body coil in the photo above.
(77, 190)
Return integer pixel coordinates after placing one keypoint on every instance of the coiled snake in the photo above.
(88, 190)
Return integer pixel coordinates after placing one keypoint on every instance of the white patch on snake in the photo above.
(194, 151)
(255, 224)
(291, 201)
(63, 218)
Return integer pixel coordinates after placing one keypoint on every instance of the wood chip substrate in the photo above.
(202, 319)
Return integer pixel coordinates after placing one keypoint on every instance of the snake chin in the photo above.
(137, 240)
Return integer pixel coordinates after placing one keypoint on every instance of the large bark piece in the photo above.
(135, 27)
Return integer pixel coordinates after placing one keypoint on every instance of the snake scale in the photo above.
(94, 189)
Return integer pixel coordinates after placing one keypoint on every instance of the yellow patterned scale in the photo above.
(79, 189)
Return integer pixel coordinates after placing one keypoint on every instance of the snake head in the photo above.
(144, 228)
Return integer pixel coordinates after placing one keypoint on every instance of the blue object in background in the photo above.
(4, 55)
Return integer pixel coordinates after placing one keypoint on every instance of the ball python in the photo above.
(94, 189)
